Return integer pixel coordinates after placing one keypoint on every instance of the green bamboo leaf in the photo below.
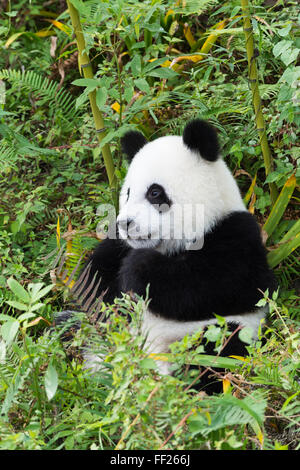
(250, 190)
(12, 38)
(280, 205)
(291, 241)
(202, 360)
(18, 290)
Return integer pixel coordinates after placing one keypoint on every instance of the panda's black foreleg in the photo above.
(98, 279)
(102, 271)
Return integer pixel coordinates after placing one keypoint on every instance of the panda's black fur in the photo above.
(225, 277)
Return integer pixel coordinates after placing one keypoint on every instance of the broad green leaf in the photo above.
(26, 316)
(148, 363)
(17, 305)
(18, 290)
(4, 317)
(162, 72)
(38, 294)
(246, 334)
(213, 333)
(87, 82)
(101, 97)
(9, 330)
(51, 381)
(281, 47)
(136, 66)
(2, 351)
(33, 288)
(142, 85)
(36, 307)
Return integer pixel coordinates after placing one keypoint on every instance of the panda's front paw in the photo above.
(135, 272)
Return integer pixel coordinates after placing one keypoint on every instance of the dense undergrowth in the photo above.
(156, 64)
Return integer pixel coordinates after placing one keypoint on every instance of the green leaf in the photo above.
(17, 305)
(26, 316)
(148, 363)
(202, 360)
(246, 334)
(2, 352)
(101, 97)
(37, 294)
(163, 72)
(289, 56)
(142, 85)
(37, 307)
(285, 31)
(280, 205)
(9, 330)
(281, 47)
(289, 243)
(4, 317)
(18, 290)
(136, 66)
(213, 333)
(51, 381)
(87, 82)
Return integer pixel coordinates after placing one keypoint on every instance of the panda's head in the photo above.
(176, 189)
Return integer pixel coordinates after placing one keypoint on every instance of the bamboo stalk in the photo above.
(253, 79)
(86, 67)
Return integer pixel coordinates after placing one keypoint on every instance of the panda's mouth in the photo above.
(143, 242)
(140, 238)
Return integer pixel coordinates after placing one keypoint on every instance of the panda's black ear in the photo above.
(200, 136)
(131, 143)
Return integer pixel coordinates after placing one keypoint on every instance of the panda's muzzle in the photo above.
(125, 224)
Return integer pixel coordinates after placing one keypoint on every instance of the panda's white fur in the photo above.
(161, 332)
(188, 181)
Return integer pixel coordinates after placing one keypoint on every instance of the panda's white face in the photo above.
(171, 197)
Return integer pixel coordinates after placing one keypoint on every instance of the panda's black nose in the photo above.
(124, 224)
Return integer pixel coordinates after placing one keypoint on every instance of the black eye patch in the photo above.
(128, 194)
(157, 195)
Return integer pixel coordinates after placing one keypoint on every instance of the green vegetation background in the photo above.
(156, 65)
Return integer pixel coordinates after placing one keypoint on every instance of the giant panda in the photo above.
(193, 269)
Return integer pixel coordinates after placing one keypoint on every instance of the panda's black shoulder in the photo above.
(236, 237)
(238, 225)
(235, 245)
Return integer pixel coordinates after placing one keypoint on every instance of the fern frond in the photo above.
(7, 158)
(43, 87)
